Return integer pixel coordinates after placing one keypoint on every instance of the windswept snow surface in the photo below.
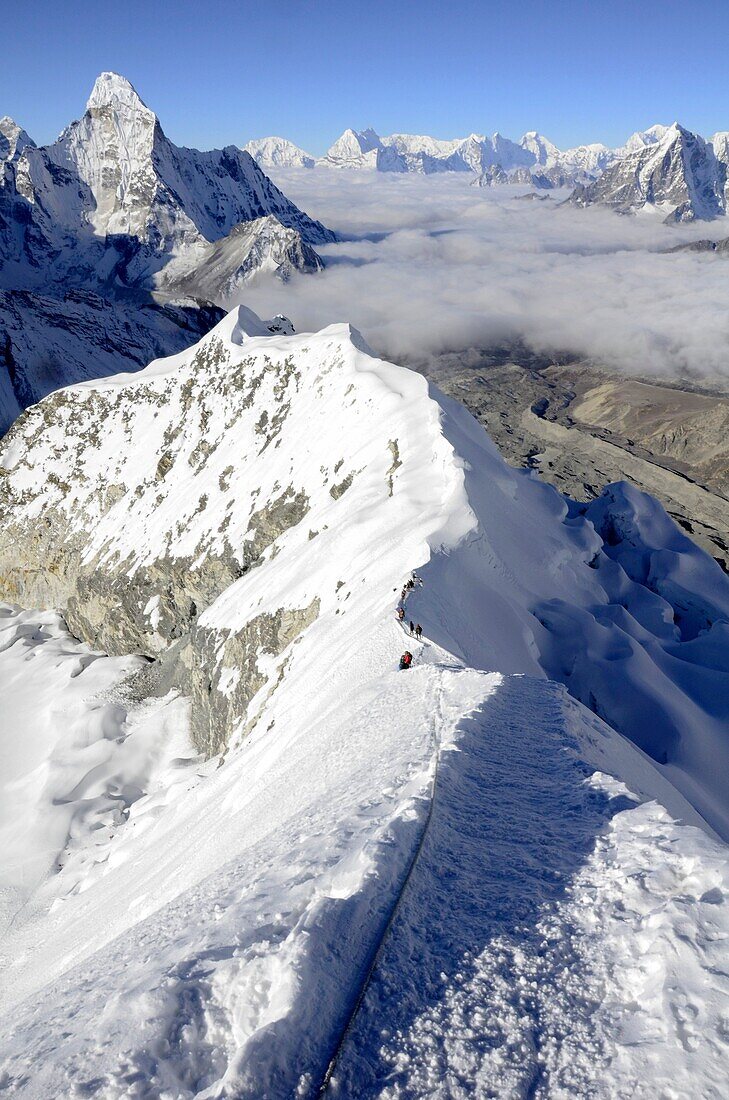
(205, 928)
(558, 937)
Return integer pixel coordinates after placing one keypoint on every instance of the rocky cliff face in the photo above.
(679, 173)
(187, 512)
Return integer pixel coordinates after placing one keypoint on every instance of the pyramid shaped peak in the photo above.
(113, 90)
(676, 129)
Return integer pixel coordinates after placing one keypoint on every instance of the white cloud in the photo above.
(435, 264)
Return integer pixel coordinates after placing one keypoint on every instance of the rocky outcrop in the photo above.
(169, 513)
(252, 249)
(680, 173)
(226, 669)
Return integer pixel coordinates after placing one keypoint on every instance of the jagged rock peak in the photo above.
(113, 90)
(13, 139)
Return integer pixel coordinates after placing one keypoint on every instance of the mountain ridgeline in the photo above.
(126, 503)
(669, 167)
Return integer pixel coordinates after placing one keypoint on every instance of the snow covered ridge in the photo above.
(80, 335)
(190, 935)
(113, 201)
(222, 512)
(234, 525)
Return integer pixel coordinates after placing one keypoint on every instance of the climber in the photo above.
(412, 627)
(401, 613)
(406, 660)
(418, 632)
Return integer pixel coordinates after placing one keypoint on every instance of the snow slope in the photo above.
(547, 927)
(194, 943)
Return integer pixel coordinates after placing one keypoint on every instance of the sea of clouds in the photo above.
(432, 264)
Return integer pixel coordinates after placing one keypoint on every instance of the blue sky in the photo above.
(221, 72)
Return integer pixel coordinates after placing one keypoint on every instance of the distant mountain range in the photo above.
(365, 149)
(679, 172)
(113, 216)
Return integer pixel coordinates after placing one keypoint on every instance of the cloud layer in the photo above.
(432, 264)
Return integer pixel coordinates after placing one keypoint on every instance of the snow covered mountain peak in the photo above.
(678, 173)
(641, 138)
(113, 199)
(277, 152)
(113, 90)
(13, 139)
(355, 149)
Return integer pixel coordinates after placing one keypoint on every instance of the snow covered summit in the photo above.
(13, 139)
(277, 152)
(678, 173)
(115, 91)
(115, 210)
